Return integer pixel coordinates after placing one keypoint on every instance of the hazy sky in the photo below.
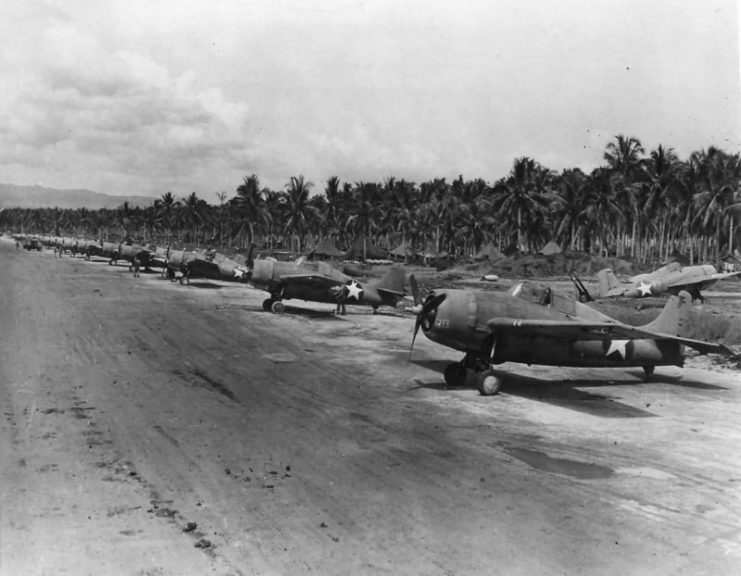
(142, 97)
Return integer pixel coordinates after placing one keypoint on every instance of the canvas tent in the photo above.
(550, 249)
(403, 250)
(490, 252)
(430, 253)
(324, 249)
(372, 252)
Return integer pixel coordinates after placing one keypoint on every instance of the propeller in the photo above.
(427, 311)
(415, 290)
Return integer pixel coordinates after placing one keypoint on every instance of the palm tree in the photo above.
(601, 210)
(523, 200)
(571, 186)
(250, 203)
(623, 158)
(194, 215)
(296, 207)
(658, 193)
(165, 208)
(364, 208)
(719, 183)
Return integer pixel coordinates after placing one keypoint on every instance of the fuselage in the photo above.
(461, 322)
(290, 280)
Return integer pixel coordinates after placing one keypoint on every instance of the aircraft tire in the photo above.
(267, 304)
(455, 375)
(489, 383)
(278, 307)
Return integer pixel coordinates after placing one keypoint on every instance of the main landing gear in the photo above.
(487, 382)
(274, 306)
(648, 371)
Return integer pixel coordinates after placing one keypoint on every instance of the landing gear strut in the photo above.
(487, 382)
(648, 371)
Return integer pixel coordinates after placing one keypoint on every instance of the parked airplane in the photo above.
(129, 252)
(320, 282)
(212, 264)
(672, 278)
(496, 327)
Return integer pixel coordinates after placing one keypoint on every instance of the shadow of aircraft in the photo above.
(562, 393)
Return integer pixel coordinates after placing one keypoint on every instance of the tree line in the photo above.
(638, 205)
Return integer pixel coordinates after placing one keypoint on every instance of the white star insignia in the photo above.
(354, 290)
(645, 289)
(238, 273)
(617, 346)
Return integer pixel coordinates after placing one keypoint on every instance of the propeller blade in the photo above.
(430, 305)
(432, 302)
(415, 290)
(417, 324)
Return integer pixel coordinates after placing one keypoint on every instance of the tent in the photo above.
(324, 249)
(490, 252)
(430, 253)
(550, 249)
(403, 250)
(373, 252)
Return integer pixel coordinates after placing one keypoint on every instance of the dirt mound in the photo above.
(539, 266)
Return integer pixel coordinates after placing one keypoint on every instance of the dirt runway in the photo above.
(155, 429)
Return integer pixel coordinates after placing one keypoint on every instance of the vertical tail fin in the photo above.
(674, 318)
(393, 280)
(606, 281)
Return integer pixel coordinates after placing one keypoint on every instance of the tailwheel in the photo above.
(267, 304)
(488, 383)
(455, 375)
(648, 371)
(278, 307)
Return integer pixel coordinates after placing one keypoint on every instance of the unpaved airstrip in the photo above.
(155, 429)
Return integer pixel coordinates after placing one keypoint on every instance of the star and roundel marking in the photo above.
(618, 349)
(353, 290)
(645, 289)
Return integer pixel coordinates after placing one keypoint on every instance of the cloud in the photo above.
(83, 106)
(189, 95)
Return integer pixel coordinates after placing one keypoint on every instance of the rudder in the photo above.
(606, 281)
(674, 319)
(393, 280)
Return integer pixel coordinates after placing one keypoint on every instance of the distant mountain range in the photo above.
(14, 196)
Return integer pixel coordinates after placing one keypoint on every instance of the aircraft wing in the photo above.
(570, 330)
(203, 266)
(314, 280)
(392, 292)
(703, 279)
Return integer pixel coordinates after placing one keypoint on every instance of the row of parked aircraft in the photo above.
(672, 278)
(489, 327)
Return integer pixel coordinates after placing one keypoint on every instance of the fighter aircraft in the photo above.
(496, 327)
(172, 262)
(109, 250)
(129, 252)
(672, 278)
(320, 282)
(217, 266)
